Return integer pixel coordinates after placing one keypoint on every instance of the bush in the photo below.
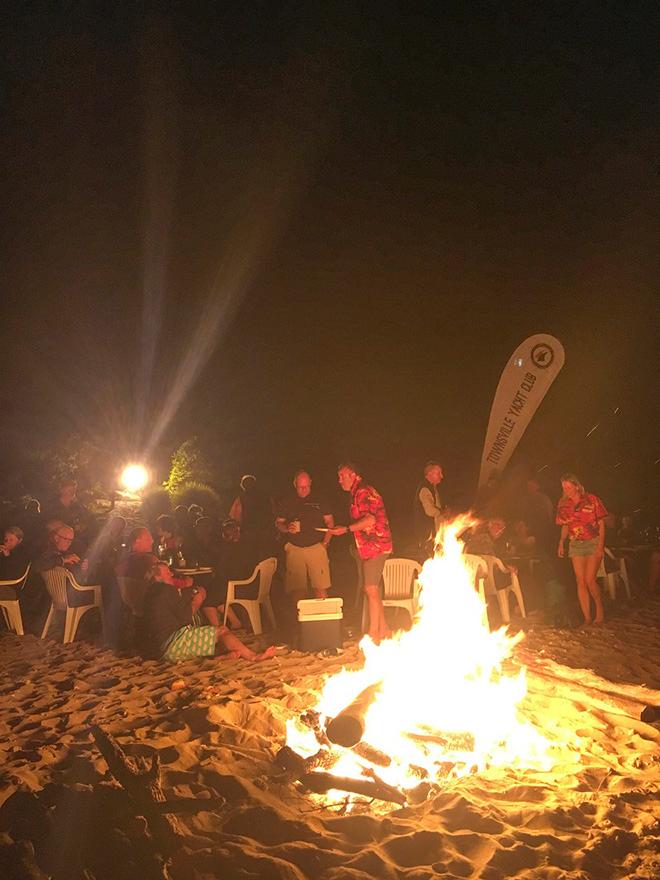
(155, 502)
(194, 492)
(188, 466)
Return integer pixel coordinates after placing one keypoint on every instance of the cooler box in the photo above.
(320, 624)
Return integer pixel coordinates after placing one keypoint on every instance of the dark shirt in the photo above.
(48, 559)
(75, 515)
(310, 511)
(13, 566)
(166, 610)
(136, 565)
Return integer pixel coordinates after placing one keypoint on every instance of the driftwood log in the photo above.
(141, 781)
(321, 782)
(347, 728)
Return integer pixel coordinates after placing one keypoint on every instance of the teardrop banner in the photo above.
(525, 381)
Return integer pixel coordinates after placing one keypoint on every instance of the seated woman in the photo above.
(173, 627)
(13, 561)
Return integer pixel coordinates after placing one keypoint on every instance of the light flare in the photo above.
(134, 477)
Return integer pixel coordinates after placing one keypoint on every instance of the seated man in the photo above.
(140, 558)
(173, 627)
(58, 550)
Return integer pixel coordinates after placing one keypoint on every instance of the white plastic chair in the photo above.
(401, 588)
(11, 609)
(611, 577)
(479, 570)
(502, 592)
(265, 571)
(56, 580)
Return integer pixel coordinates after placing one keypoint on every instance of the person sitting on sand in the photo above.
(173, 624)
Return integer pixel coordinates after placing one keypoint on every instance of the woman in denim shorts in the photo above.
(581, 516)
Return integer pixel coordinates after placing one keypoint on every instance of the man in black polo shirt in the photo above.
(302, 515)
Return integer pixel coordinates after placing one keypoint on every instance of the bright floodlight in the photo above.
(134, 477)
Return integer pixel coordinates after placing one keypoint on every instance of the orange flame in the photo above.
(445, 698)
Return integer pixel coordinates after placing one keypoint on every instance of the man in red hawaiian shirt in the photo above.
(373, 540)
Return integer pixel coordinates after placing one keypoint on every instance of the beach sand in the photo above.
(217, 726)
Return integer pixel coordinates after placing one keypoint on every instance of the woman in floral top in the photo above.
(581, 516)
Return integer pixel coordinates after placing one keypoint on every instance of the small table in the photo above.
(192, 572)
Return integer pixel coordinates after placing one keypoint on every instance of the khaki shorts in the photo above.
(372, 569)
(303, 563)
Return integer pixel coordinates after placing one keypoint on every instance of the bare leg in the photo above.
(211, 614)
(378, 628)
(579, 567)
(591, 568)
(235, 646)
(232, 618)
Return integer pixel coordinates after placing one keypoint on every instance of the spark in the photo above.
(597, 425)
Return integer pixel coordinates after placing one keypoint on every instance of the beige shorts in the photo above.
(303, 563)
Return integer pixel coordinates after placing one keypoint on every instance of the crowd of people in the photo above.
(150, 604)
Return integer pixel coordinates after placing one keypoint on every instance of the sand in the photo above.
(217, 725)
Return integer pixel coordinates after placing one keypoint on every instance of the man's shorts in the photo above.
(303, 563)
(372, 569)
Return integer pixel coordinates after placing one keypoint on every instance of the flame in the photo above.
(446, 699)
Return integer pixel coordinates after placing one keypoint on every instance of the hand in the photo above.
(85, 565)
(71, 559)
(293, 527)
(337, 530)
(4, 550)
(561, 552)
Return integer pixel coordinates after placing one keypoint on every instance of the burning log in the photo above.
(299, 766)
(312, 720)
(347, 728)
(320, 783)
(372, 754)
(451, 742)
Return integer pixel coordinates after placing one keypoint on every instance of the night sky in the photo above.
(306, 234)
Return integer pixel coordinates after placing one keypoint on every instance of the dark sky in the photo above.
(305, 233)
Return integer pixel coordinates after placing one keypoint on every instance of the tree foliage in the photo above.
(188, 465)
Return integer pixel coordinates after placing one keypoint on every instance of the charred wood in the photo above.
(321, 782)
(347, 728)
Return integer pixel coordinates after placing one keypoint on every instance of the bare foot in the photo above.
(269, 652)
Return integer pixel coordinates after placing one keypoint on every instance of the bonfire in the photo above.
(431, 704)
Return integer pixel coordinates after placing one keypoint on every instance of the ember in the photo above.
(430, 704)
